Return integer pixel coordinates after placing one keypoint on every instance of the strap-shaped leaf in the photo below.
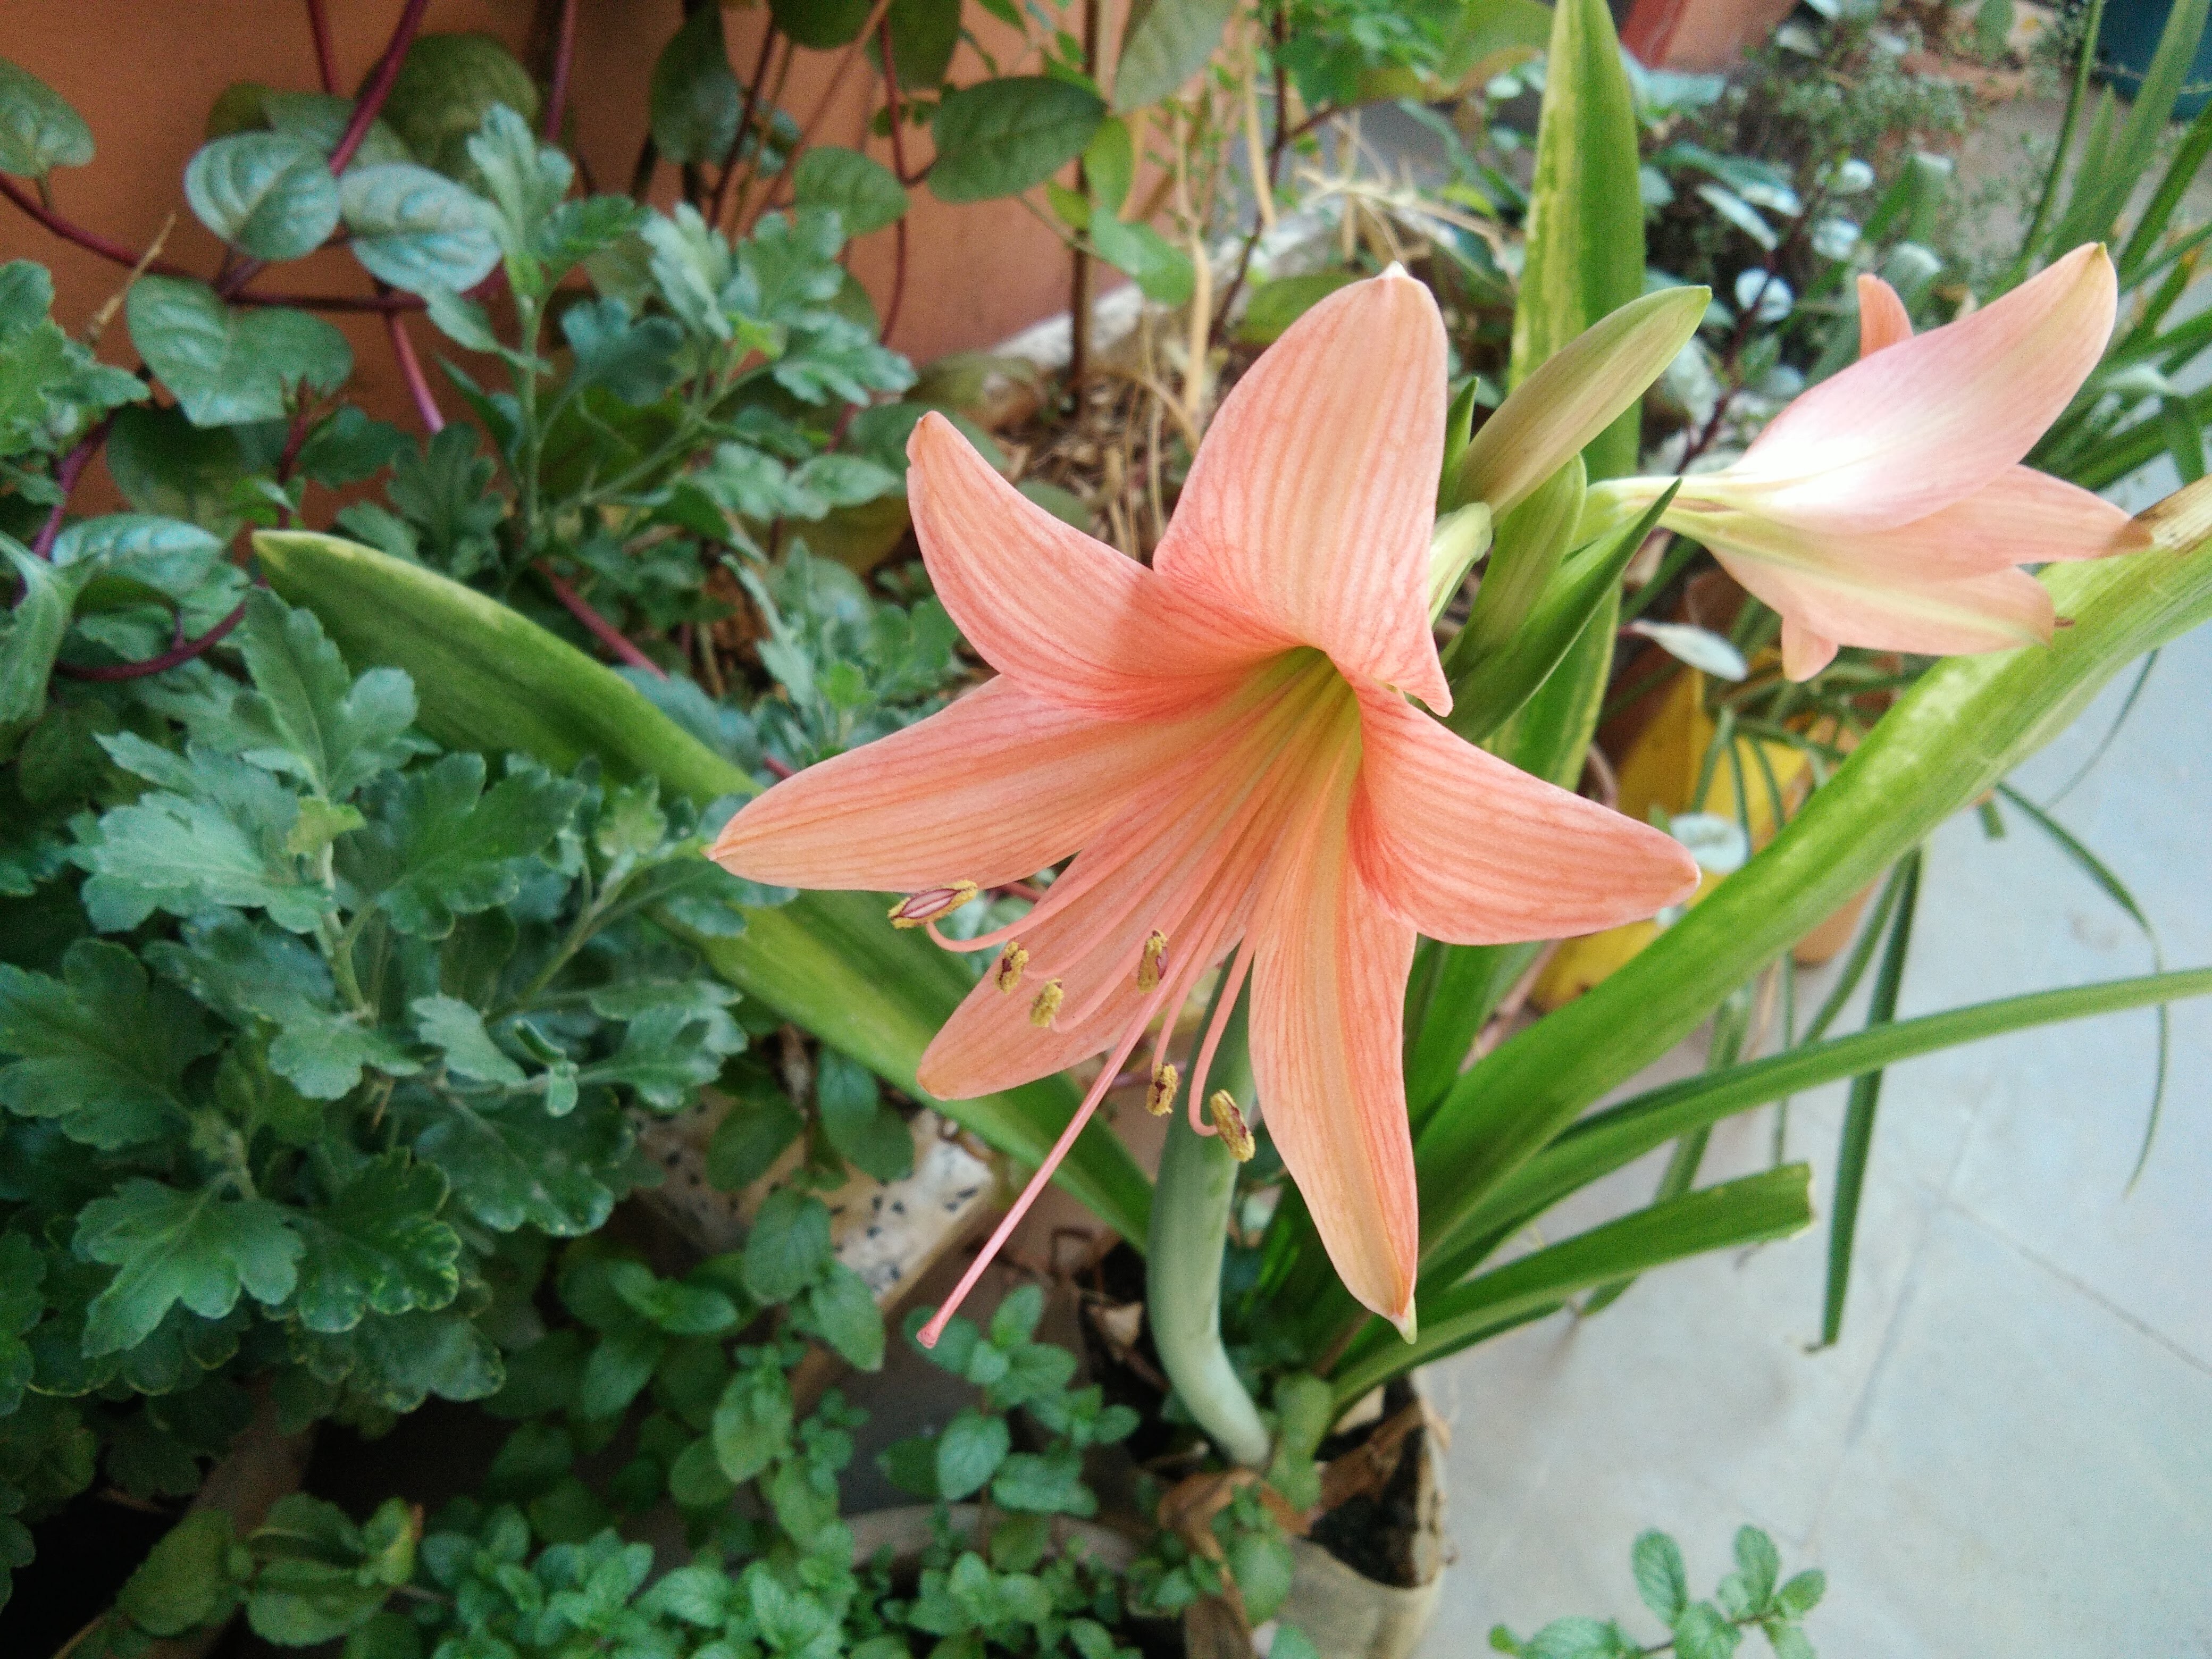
(1772, 1204)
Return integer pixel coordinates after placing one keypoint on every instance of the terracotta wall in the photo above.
(143, 75)
(1699, 36)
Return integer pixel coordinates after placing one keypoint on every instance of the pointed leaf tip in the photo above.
(1575, 394)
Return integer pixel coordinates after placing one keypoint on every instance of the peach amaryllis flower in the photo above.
(1887, 507)
(1223, 741)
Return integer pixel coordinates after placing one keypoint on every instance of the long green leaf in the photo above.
(489, 679)
(2107, 179)
(2180, 173)
(1857, 1143)
(1772, 1204)
(1608, 1140)
(1731, 1025)
(1966, 724)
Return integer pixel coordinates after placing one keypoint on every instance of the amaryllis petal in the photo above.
(1473, 851)
(1924, 422)
(2021, 517)
(1328, 988)
(1805, 653)
(1310, 505)
(990, 790)
(1883, 319)
(1069, 618)
(1995, 611)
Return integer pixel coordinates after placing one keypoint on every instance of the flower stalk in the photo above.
(1182, 1278)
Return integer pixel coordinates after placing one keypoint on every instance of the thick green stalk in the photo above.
(1182, 1281)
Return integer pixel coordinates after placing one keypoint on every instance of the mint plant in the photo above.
(1755, 1596)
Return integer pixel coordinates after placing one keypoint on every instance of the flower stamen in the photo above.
(1159, 1099)
(1012, 960)
(931, 902)
(1228, 1122)
(1046, 1004)
(1154, 960)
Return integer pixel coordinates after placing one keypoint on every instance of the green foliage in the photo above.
(388, 1040)
(1749, 1598)
(1000, 138)
(229, 365)
(38, 131)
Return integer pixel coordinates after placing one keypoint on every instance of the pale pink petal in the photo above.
(1883, 321)
(1068, 618)
(1929, 421)
(1328, 988)
(1804, 654)
(1995, 610)
(989, 1043)
(1473, 850)
(2021, 517)
(993, 788)
(1310, 503)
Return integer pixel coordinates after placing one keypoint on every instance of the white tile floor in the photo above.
(2009, 1453)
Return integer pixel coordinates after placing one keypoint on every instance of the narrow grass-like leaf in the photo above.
(1617, 1136)
(1772, 1204)
(1865, 1099)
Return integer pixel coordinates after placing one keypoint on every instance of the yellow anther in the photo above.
(931, 902)
(1012, 960)
(1159, 1099)
(1046, 1004)
(1155, 960)
(1234, 1135)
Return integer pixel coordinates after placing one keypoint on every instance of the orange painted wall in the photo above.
(144, 74)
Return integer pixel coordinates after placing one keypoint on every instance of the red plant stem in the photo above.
(604, 631)
(326, 63)
(721, 196)
(181, 652)
(388, 302)
(90, 241)
(410, 371)
(776, 768)
(379, 83)
(879, 13)
(898, 167)
(564, 55)
(66, 476)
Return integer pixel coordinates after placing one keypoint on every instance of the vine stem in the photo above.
(91, 240)
(66, 476)
(564, 58)
(728, 170)
(898, 167)
(175, 656)
(604, 631)
(410, 371)
(1183, 1274)
(326, 62)
(380, 85)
